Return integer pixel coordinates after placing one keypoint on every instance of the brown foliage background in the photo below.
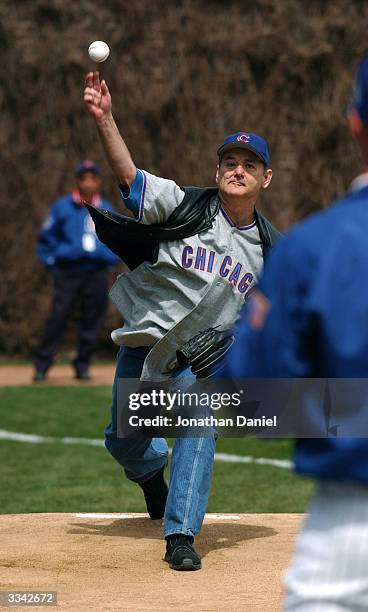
(182, 75)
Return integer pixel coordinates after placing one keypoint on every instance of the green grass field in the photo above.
(55, 477)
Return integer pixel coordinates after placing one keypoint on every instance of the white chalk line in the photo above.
(14, 436)
(129, 515)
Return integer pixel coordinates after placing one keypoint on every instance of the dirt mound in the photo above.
(114, 562)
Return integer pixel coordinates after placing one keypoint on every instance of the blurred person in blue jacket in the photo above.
(79, 263)
(309, 319)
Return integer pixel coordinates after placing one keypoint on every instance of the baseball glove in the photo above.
(205, 352)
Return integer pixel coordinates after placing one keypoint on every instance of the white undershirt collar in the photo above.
(360, 182)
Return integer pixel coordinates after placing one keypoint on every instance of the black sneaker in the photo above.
(39, 376)
(155, 493)
(180, 554)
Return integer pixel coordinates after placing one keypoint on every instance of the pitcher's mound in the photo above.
(114, 562)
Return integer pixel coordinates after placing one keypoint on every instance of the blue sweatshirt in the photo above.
(68, 239)
(311, 320)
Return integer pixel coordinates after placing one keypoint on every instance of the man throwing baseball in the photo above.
(194, 282)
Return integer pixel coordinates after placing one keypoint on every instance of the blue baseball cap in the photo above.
(87, 165)
(245, 140)
(360, 91)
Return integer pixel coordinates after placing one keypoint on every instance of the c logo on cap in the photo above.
(243, 137)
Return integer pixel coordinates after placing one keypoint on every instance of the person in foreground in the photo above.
(195, 282)
(309, 319)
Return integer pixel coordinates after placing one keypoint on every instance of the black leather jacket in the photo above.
(135, 242)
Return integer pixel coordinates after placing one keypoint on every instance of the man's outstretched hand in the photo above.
(96, 97)
(97, 101)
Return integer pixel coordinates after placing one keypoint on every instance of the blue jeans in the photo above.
(142, 458)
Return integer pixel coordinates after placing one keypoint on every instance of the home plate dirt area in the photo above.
(115, 562)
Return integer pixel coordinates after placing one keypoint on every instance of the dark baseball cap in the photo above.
(359, 100)
(87, 165)
(245, 140)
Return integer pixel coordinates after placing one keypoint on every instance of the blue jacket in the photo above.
(315, 323)
(68, 239)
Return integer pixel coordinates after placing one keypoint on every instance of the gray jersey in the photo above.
(215, 269)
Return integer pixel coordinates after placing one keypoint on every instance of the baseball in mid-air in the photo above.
(98, 51)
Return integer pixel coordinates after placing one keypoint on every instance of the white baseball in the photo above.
(98, 51)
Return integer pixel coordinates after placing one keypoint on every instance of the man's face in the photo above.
(241, 173)
(89, 183)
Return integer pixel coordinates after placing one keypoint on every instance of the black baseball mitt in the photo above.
(205, 351)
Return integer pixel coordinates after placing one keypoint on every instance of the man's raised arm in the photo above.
(97, 101)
